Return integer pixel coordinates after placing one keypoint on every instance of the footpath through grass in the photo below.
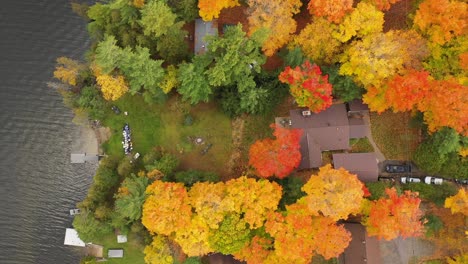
(163, 125)
(393, 134)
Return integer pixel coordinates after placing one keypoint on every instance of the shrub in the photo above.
(190, 177)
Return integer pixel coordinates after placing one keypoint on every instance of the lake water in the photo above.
(38, 184)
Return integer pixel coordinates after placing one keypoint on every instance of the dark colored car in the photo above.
(116, 109)
(462, 181)
(397, 168)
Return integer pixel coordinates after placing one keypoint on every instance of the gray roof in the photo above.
(203, 28)
(327, 130)
(115, 253)
(362, 249)
(357, 128)
(364, 165)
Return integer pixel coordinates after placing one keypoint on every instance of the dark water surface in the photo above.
(38, 184)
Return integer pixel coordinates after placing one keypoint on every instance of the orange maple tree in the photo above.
(308, 86)
(333, 10)
(276, 157)
(442, 20)
(210, 9)
(404, 92)
(396, 215)
(383, 4)
(276, 17)
(256, 252)
(446, 105)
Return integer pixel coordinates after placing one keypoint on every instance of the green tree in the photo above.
(446, 140)
(91, 100)
(172, 46)
(231, 236)
(167, 164)
(187, 10)
(140, 70)
(130, 197)
(156, 18)
(89, 228)
(343, 86)
(190, 177)
(107, 54)
(427, 158)
(194, 85)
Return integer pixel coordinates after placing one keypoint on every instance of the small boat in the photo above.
(75, 211)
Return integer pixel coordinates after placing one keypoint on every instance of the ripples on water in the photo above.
(38, 183)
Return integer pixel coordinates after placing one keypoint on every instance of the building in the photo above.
(115, 253)
(330, 129)
(364, 165)
(362, 249)
(202, 29)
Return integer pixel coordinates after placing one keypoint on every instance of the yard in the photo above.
(394, 135)
(133, 249)
(163, 125)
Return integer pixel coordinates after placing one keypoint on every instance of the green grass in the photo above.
(133, 249)
(393, 135)
(360, 145)
(162, 125)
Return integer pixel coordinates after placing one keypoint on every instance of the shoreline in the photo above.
(90, 139)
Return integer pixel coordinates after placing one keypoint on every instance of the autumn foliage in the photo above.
(112, 87)
(210, 9)
(308, 86)
(333, 10)
(383, 4)
(334, 193)
(68, 70)
(397, 215)
(276, 157)
(458, 203)
(276, 17)
(441, 20)
(404, 92)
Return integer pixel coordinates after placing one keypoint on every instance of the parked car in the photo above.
(433, 180)
(409, 180)
(115, 109)
(398, 168)
(462, 181)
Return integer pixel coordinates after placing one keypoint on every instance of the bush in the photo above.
(377, 189)
(434, 193)
(89, 228)
(433, 225)
(343, 86)
(125, 167)
(167, 164)
(92, 101)
(190, 177)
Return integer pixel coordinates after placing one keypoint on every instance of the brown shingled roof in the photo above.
(362, 249)
(364, 165)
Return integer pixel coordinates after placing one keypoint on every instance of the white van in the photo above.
(433, 180)
(409, 179)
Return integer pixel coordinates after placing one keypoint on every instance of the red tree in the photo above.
(278, 156)
(308, 86)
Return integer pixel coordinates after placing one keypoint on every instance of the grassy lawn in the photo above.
(360, 145)
(162, 125)
(393, 135)
(133, 249)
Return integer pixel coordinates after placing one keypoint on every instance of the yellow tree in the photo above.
(379, 56)
(68, 70)
(158, 252)
(333, 10)
(112, 87)
(334, 193)
(166, 208)
(210, 9)
(458, 203)
(276, 17)
(207, 200)
(442, 20)
(317, 43)
(170, 79)
(254, 199)
(193, 237)
(364, 20)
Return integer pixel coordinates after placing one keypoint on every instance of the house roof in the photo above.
(333, 116)
(357, 128)
(362, 249)
(364, 165)
(203, 28)
(327, 130)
